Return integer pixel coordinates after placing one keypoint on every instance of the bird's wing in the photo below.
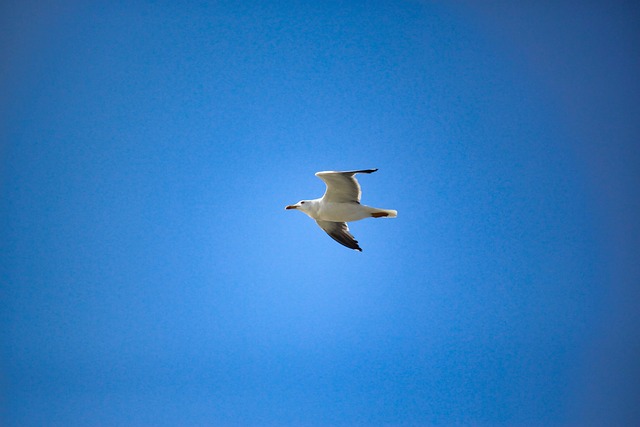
(339, 231)
(342, 187)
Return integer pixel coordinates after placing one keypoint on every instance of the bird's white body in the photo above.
(341, 212)
(341, 204)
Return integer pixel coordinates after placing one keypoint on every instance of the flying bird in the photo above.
(341, 204)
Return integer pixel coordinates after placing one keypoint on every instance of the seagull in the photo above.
(341, 204)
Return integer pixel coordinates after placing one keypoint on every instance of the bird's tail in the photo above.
(384, 213)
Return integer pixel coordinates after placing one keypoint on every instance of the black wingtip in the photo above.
(366, 170)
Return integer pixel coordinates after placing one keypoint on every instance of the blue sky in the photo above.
(151, 276)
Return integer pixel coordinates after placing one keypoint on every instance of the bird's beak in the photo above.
(291, 207)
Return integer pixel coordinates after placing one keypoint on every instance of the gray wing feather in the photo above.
(339, 231)
(342, 187)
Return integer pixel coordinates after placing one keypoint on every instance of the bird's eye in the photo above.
(302, 203)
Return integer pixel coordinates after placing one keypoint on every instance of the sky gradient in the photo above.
(150, 275)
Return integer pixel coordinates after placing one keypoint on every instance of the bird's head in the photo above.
(302, 205)
(299, 206)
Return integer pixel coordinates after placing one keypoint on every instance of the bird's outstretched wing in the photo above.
(342, 187)
(339, 231)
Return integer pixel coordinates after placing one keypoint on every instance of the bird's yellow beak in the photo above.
(291, 207)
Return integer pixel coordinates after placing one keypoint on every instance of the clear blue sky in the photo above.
(150, 275)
